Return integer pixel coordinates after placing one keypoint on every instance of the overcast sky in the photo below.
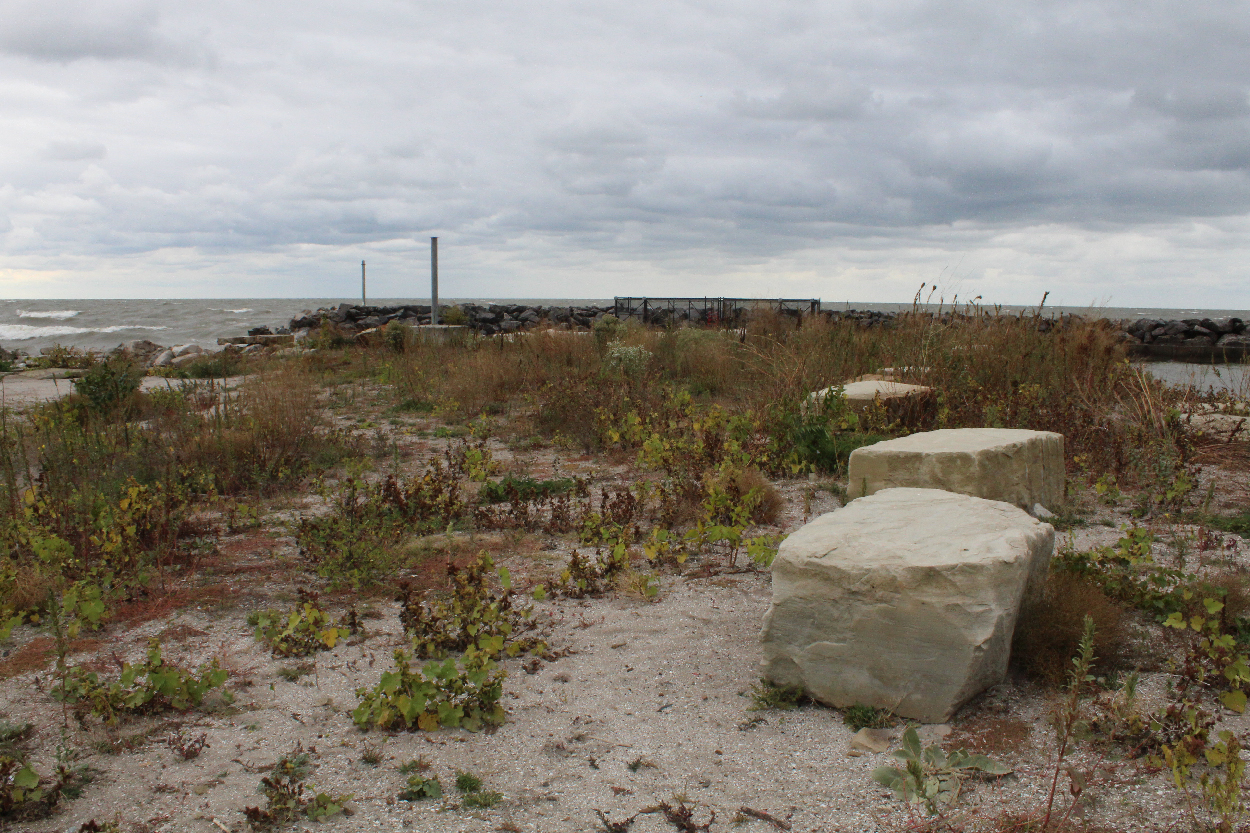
(579, 148)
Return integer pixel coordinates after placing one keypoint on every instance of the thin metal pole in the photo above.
(363, 302)
(433, 280)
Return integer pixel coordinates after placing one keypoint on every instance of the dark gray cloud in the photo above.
(814, 146)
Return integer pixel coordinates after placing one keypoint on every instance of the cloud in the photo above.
(72, 151)
(680, 140)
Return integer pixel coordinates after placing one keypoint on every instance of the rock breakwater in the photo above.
(487, 319)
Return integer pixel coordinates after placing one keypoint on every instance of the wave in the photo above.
(245, 309)
(58, 314)
(24, 332)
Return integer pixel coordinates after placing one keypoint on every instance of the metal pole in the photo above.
(433, 280)
(363, 302)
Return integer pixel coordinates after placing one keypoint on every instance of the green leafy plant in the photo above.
(151, 686)
(441, 694)
(931, 776)
(300, 632)
(1214, 660)
(420, 788)
(20, 789)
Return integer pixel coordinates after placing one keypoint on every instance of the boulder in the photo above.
(185, 359)
(186, 350)
(906, 600)
(1222, 427)
(1010, 464)
(165, 359)
(860, 395)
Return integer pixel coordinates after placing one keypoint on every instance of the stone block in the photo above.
(1016, 465)
(860, 395)
(906, 600)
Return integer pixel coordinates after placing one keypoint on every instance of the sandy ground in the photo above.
(640, 702)
(29, 387)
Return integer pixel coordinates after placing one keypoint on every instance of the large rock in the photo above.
(906, 600)
(860, 395)
(1018, 466)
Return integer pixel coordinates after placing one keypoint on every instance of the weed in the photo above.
(286, 798)
(187, 747)
(472, 615)
(931, 776)
(109, 385)
(292, 673)
(419, 764)
(1050, 627)
(516, 489)
(767, 695)
(145, 688)
(867, 717)
(483, 800)
(299, 632)
(441, 694)
(420, 788)
(467, 782)
(350, 545)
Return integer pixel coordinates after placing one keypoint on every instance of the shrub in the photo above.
(629, 360)
(473, 614)
(514, 489)
(453, 315)
(110, 384)
(1048, 633)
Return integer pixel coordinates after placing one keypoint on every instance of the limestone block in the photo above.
(905, 600)
(860, 395)
(1222, 427)
(1018, 466)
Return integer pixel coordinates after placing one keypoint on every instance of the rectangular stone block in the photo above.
(1014, 465)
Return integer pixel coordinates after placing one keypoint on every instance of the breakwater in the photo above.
(1185, 339)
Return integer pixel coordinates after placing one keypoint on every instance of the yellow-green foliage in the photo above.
(151, 686)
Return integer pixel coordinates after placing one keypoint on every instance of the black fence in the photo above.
(726, 311)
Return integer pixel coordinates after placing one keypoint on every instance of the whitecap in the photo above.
(58, 314)
(23, 332)
(245, 309)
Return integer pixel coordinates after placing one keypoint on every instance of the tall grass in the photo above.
(987, 370)
(102, 494)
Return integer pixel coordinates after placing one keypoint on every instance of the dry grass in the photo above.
(1049, 630)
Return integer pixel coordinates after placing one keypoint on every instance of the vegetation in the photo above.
(662, 452)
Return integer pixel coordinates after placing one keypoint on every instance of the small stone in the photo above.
(871, 740)
(1041, 512)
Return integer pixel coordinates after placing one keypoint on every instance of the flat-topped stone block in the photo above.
(1016, 465)
(906, 600)
(860, 395)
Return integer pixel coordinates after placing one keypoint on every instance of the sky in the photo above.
(1097, 151)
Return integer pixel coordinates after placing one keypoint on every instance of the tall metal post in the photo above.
(433, 280)
(363, 302)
